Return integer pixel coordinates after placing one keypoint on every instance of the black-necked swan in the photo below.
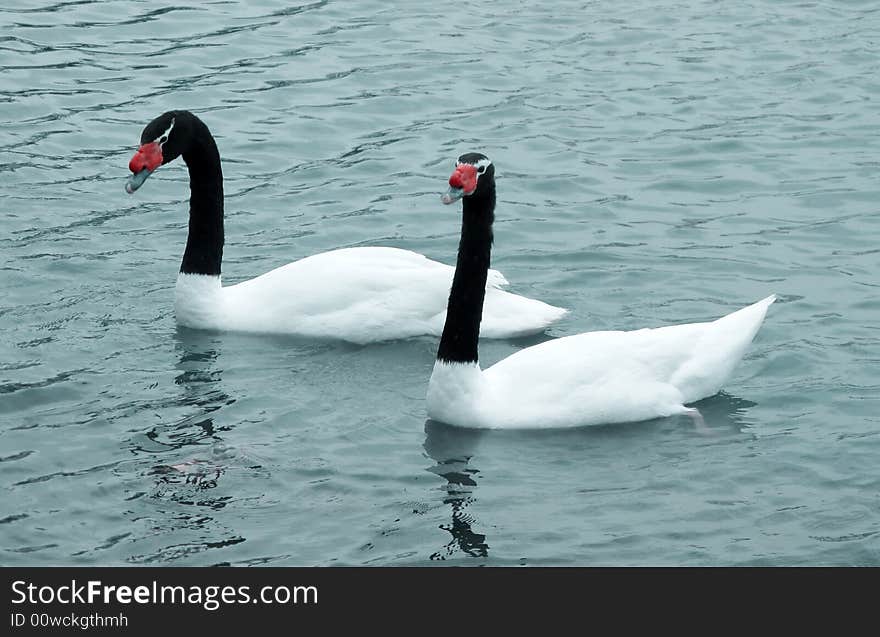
(355, 294)
(586, 379)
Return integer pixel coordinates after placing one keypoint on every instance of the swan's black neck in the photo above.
(204, 244)
(461, 333)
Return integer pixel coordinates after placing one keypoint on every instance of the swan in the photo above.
(586, 379)
(360, 295)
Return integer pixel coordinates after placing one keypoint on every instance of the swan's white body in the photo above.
(359, 295)
(596, 377)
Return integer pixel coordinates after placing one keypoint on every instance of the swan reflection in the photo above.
(452, 449)
(200, 381)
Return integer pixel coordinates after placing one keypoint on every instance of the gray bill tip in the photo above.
(137, 180)
(453, 194)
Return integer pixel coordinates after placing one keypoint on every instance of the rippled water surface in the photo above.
(657, 162)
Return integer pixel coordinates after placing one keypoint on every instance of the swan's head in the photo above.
(162, 141)
(474, 173)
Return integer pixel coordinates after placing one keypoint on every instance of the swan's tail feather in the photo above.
(507, 315)
(719, 348)
(496, 280)
(748, 320)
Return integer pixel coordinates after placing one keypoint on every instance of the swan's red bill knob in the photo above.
(148, 156)
(464, 177)
(147, 159)
(462, 182)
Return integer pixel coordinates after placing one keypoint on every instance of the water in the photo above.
(657, 163)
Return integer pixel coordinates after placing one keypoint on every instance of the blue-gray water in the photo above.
(657, 162)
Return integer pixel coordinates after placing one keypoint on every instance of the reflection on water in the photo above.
(725, 412)
(452, 450)
(201, 387)
(200, 379)
(190, 454)
(648, 445)
(199, 376)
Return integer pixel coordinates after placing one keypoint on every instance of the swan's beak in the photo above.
(462, 182)
(147, 159)
(137, 180)
(452, 195)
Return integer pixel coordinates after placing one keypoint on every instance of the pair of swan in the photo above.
(375, 293)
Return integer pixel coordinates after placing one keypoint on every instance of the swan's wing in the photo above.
(357, 294)
(623, 376)
(591, 378)
(370, 294)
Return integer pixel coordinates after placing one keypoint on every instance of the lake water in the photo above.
(658, 162)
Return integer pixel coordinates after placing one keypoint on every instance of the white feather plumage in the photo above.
(359, 295)
(596, 377)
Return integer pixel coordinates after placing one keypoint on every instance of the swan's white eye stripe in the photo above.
(161, 139)
(482, 164)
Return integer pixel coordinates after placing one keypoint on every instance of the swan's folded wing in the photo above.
(622, 376)
(370, 294)
(356, 294)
